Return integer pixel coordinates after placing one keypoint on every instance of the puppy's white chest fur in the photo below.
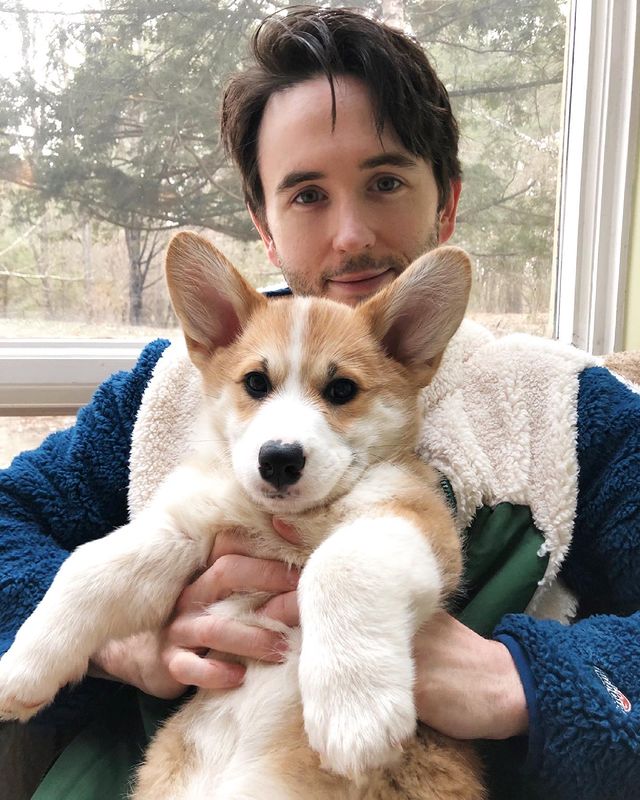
(231, 733)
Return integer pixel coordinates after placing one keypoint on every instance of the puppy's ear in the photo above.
(211, 299)
(416, 315)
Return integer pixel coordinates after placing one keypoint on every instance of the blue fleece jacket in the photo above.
(582, 681)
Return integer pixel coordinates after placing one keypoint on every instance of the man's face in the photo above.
(346, 210)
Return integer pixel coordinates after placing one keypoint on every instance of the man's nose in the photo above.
(352, 231)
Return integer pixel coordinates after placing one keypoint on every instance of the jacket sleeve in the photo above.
(70, 490)
(583, 681)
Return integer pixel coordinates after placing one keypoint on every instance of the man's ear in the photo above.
(447, 215)
(211, 299)
(415, 317)
(267, 240)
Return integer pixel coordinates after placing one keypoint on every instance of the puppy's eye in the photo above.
(257, 385)
(340, 391)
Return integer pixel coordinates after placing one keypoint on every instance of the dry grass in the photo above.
(12, 328)
(501, 324)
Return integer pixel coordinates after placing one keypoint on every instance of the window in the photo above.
(108, 143)
(599, 170)
(26, 433)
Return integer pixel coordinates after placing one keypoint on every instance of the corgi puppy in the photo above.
(312, 410)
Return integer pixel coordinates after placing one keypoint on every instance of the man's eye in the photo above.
(388, 184)
(340, 391)
(308, 196)
(257, 385)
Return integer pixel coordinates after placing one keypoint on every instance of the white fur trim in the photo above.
(556, 602)
(166, 424)
(500, 423)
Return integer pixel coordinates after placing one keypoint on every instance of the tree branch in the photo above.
(513, 87)
(462, 218)
(5, 273)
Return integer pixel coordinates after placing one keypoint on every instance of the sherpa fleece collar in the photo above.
(499, 423)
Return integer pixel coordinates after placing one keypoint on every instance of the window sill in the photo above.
(41, 376)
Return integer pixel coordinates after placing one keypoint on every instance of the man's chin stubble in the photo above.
(300, 286)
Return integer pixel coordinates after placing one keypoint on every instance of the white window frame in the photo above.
(48, 377)
(595, 198)
(598, 173)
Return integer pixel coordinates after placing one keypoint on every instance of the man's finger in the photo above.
(284, 608)
(236, 573)
(288, 532)
(208, 632)
(192, 670)
(230, 540)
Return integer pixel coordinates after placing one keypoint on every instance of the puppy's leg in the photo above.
(363, 595)
(110, 588)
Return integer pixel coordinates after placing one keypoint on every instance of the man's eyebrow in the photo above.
(292, 179)
(388, 159)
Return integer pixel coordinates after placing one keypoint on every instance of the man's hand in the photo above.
(165, 662)
(467, 687)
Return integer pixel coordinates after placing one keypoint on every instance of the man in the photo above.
(348, 152)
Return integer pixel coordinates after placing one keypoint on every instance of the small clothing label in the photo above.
(621, 700)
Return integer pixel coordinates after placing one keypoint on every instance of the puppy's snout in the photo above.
(281, 464)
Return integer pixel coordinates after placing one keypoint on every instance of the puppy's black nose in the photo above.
(281, 464)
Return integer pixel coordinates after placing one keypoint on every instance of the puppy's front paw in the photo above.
(15, 708)
(31, 675)
(354, 723)
(23, 690)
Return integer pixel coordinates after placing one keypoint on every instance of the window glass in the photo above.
(108, 143)
(26, 433)
(503, 64)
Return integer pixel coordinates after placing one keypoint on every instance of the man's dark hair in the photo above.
(305, 42)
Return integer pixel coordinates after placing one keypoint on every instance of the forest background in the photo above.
(109, 143)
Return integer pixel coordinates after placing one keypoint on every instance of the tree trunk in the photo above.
(132, 237)
(87, 271)
(45, 265)
(4, 295)
(513, 300)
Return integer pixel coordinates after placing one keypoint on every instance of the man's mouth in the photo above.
(359, 284)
